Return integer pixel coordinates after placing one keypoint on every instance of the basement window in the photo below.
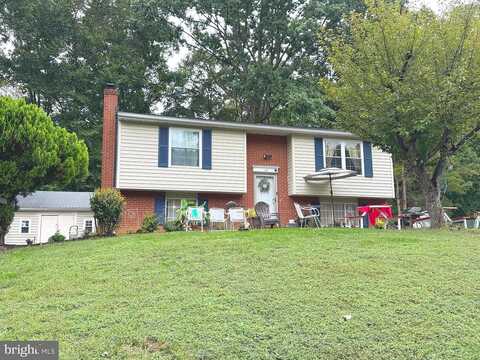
(341, 212)
(173, 205)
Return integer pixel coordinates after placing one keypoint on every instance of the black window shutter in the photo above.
(365, 221)
(163, 147)
(160, 208)
(207, 149)
(367, 159)
(319, 164)
(202, 200)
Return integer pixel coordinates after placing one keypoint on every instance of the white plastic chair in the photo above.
(236, 215)
(195, 214)
(217, 216)
(476, 223)
(314, 214)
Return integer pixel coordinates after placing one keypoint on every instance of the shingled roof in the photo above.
(56, 200)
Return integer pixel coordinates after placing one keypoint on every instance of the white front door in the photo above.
(65, 222)
(48, 227)
(265, 189)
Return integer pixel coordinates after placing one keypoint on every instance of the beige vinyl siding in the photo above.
(14, 235)
(138, 163)
(378, 186)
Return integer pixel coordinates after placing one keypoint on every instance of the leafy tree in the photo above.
(33, 152)
(256, 61)
(63, 53)
(410, 82)
(7, 212)
(107, 205)
(463, 180)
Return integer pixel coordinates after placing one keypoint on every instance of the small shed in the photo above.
(43, 213)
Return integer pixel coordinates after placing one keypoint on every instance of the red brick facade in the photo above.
(275, 146)
(138, 204)
(110, 105)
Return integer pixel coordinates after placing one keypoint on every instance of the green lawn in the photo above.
(272, 294)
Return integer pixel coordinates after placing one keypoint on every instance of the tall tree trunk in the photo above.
(430, 186)
(397, 195)
(404, 189)
(2, 237)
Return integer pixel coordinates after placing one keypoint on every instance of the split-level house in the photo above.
(155, 161)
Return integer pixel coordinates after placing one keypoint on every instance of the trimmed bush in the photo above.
(107, 205)
(172, 226)
(57, 237)
(150, 224)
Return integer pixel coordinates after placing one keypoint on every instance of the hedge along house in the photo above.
(155, 161)
(43, 213)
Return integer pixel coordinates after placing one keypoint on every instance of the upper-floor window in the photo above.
(344, 154)
(333, 154)
(25, 226)
(353, 156)
(185, 147)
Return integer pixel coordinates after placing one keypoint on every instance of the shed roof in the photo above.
(56, 200)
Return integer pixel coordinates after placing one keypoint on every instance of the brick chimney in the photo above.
(110, 107)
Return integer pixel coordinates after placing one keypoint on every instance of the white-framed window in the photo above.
(353, 156)
(351, 209)
(333, 154)
(343, 213)
(25, 226)
(88, 226)
(344, 154)
(172, 206)
(185, 145)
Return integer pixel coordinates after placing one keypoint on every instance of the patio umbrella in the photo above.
(329, 174)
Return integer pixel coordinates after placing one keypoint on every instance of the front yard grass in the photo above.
(272, 294)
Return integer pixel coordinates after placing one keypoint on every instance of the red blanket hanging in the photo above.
(375, 211)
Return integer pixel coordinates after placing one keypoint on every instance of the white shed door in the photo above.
(48, 227)
(64, 224)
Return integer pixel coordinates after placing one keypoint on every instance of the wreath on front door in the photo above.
(264, 185)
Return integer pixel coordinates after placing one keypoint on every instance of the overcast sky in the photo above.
(434, 4)
(440, 5)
